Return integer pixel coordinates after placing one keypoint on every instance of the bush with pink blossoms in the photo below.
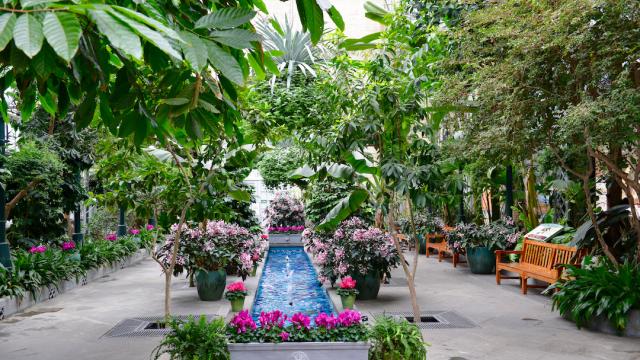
(285, 214)
(353, 248)
(276, 327)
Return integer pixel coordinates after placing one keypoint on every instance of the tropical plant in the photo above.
(353, 248)
(296, 51)
(396, 339)
(498, 235)
(598, 288)
(194, 339)
(284, 211)
(276, 165)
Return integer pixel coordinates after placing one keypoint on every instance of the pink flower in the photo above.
(284, 336)
(349, 318)
(111, 237)
(300, 321)
(38, 249)
(342, 268)
(134, 231)
(245, 260)
(150, 227)
(237, 286)
(243, 322)
(326, 321)
(272, 319)
(264, 236)
(69, 245)
(255, 258)
(348, 283)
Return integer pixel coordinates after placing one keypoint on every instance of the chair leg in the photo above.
(456, 257)
(440, 256)
(427, 249)
(524, 286)
(498, 277)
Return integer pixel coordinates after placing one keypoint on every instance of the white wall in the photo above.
(352, 11)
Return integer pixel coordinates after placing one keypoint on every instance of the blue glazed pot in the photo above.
(481, 260)
(210, 284)
(367, 285)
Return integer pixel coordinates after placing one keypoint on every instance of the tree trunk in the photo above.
(19, 196)
(531, 197)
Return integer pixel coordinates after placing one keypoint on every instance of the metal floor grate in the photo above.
(137, 327)
(445, 319)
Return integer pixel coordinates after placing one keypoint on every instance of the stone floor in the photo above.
(509, 325)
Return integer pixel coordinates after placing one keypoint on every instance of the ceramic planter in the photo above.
(423, 245)
(237, 305)
(368, 285)
(602, 324)
(300, 351)
(347, 301)
(481, 260)
(211, 284)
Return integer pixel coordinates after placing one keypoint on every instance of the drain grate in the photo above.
(435, 319)
(144, 326)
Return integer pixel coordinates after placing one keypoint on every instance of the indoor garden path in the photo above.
(507, 324)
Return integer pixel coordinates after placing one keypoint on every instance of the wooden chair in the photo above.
(538, 260)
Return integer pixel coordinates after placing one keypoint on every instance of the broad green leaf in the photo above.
(7, 23)
(336, 17)
(150, 22)
(27, 35)
(302, 172)
(84, 114)
(225, 63)
(63, 32)
(175, 101)
(208, 106)
(270, 64)
(31, 3)
(240, 195)
(259, 71)
(260, 5)
(311, 18)
(148, 34)
(225, 18)
(236, 38)
(195, 51)
(119, 35)
(107, 115)
(376, 13)
(344, 208)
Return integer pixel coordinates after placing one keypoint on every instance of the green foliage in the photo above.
(103, 252)
(323, 195)
(37, 173)
(194, 339)
(276, 165)
(101, 222)
(598, 290)
(396, 339)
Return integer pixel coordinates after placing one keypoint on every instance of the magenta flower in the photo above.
(284, 336)
(69, 245)
(134, 231)
(236, 286)
(243, 322)
(111, 237)
(300, 321)
(150, 227)
(272, 319)
(326, 321)
(348, 283)
(38, 249)
(349, 318)
(265, 236)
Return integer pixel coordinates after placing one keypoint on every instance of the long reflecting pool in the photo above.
(289, 283)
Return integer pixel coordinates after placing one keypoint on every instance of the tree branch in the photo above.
(19, 196)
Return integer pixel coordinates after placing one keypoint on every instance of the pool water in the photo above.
(289, 283)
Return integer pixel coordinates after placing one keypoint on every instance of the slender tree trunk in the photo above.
(19, 196)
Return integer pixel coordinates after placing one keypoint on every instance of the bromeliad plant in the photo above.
(353, 248)
(598, 288)
(285, 214)
(276, 327)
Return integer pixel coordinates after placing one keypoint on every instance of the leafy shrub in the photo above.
(191, 339)
(102, 222)
(396, 339)
(285, 210)
(498, 235)
(101, 252)
(598, 289)
(324, 195)
(276, 165)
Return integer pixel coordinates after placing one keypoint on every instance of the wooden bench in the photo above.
(442, 247)
(538, 260)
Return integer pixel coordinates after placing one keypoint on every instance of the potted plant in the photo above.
(479, 243)
(236, 292)
(194, 339)
(426, 224)
(600, 296)
(276, 336)
(285, 216)
(347, 292)
(365, 253)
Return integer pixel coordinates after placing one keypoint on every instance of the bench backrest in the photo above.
(547, 255)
